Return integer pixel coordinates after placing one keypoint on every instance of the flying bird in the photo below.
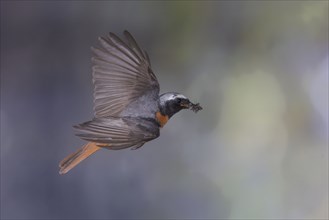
(128, 108)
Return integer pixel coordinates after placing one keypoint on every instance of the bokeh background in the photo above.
(259, 149)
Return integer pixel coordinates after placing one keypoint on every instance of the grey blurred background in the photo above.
(259, 149)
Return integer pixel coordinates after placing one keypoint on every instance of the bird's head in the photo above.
(172, 102)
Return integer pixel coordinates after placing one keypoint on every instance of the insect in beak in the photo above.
(195, 107)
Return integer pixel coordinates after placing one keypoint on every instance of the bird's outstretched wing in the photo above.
(121, 73)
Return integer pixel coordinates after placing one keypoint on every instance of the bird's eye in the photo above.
(178, 100)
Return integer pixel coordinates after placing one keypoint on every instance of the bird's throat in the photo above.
(161, 119)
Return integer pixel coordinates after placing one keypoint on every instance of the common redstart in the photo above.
(128, 108)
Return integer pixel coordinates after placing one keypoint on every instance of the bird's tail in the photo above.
(75, 158)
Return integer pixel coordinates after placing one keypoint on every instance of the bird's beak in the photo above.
(185, 104)
(189, 105)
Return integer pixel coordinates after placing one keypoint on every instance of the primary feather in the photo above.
(121, 74)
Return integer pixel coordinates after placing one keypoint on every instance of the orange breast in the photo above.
(162, 119)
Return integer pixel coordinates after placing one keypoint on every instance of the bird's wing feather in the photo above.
(117, 133)
(121, 73)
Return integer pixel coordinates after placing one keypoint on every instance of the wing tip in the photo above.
(125, 32)
(113, 36)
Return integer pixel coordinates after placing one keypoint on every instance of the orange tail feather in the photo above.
(75, 158)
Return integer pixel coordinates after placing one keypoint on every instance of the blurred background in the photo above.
(259, 149)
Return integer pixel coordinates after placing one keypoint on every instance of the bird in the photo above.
(128, 110)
